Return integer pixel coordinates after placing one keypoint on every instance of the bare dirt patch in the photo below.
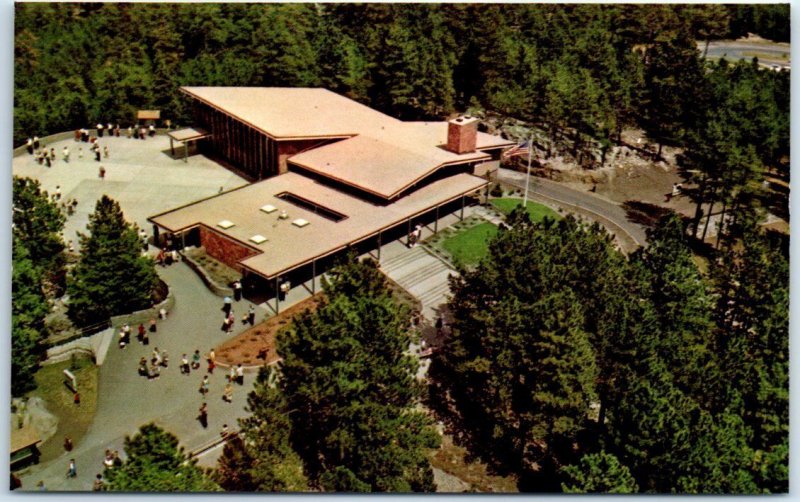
(256, 346)
(452, 459)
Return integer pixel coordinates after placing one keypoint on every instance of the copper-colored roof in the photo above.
(289, 246)
(292, 112)
(383, 155)
(382, 168)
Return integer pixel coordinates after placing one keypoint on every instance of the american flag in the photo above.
(518, 150)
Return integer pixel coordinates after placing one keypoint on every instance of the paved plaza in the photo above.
(141, 175)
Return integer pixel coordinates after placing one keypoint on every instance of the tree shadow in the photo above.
(644, 213)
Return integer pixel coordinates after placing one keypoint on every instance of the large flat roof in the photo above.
(292, 112)
(380, 154)
(288, 246)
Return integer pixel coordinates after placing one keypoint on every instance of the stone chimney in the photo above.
(462, 134)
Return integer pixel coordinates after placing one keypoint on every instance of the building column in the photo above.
(172, 146)
(186, 152)
(313, 277)
(379, 248)
(277, 294)
(461, 217)
(436, 221)
(408, 233)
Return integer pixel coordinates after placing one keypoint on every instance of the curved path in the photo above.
(126, 401)
(614, 217)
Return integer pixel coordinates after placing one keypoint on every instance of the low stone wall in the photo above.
(220, 290)
(61, 136)
(19, 151)
(95, 345)
(144, 316)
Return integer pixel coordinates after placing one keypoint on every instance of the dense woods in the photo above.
(582, 72)
(587, 371)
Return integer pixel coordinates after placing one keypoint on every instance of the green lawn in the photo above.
(536, 211)
(469, 246)
(73, 421)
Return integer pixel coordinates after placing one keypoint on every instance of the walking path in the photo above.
(126, 401)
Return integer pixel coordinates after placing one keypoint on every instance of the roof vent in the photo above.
(225, 224)
(269, 208)
(258, 239)
(300, 222)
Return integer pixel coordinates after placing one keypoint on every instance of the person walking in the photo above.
(52, 155)
(156, 359)
(230, 321)
(226, 305)
(227, 394)
(102, 172)
(237, 290)
(72, 470)
(105, 151)
(143, 367)
(204, 386)
(153, 326)
(67, 443)
(97, 152)
(99, 130)
(251, 315)
(130, 132)
(98, 485)
(65, 154)
(29, 146)
(145, 339)
(152, 130)
(240, 374)
(196, 360)
(185, 365)
(203, 417)
(232, 375)
(36, 142)
(46, 159)
(141, 331)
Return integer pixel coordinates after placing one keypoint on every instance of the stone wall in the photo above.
(223, 249)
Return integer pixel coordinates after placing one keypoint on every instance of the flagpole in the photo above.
(528, 175)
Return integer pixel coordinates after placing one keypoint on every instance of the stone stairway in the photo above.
(421, 274)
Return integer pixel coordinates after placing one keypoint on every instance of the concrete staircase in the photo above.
(421, 274)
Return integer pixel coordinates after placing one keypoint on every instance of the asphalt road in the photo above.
(609, 214)
(779, 54)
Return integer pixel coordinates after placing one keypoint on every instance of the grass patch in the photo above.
(537, 212)
(469, 246)
(73, 421)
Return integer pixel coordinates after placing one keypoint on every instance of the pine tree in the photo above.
(37, 223)
(155, 463)
(519, 365)
(112, 277)
(261, 458)
(28, 310)
(599, 473)
(347, 376)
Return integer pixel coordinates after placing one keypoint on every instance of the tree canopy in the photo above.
(112, 276)
(155, 463)
(347, 384)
